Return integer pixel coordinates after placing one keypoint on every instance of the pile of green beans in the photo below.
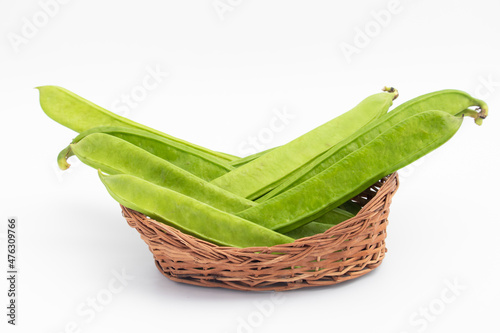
(273, 197)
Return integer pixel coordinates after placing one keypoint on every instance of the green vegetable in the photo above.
(383, 155)
(334, 217)
(195, 161)
(80, 115)
(244, 160)
(309, 229)
(262, 174)
(321, 223)
(453, 102)
(438, 100)
(115, 156)
(189, 215)
(299, 189)
(350, 207)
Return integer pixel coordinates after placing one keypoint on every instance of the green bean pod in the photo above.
(334, 217)
(321, 223)
(309, 229)
(80, 115)
(453, 102)
(244, 160)
(257, 177)
(116, 156)
(449, 100)
(189, 215)
(438, 100)
(384, 154)
(350, 207)
(195, 161)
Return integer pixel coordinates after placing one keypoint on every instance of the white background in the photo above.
(229, 73)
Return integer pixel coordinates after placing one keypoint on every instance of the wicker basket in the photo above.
(344, 252)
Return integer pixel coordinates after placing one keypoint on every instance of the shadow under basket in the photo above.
(344, 252)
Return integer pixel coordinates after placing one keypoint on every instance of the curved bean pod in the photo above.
(320, 224)
(262, 174)
(383, 155)
(79, 114)
(439, 100)
(189, 215)
(334, 217)
(453, 102)
(449, 100)
(195, 161)
(244, 160)
(350, 207)
(309, 229)
(116, 156)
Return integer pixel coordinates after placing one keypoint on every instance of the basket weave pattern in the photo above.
(348, 250)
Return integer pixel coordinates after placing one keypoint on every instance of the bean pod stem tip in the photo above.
(62, 158)
(478, 115)
(391, 90)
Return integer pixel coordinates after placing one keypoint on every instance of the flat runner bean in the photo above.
(79, 114)
(189, 215)
(116, 156)
(383, 155)
(195, 161)
(257, 177)
(453, 102)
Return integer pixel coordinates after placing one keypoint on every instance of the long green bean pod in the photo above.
(201, 164)
(116, 156)
(262, 174)
(189, 215)
(453, 102)
(343, 180)
(79, 114)
(244, 160)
